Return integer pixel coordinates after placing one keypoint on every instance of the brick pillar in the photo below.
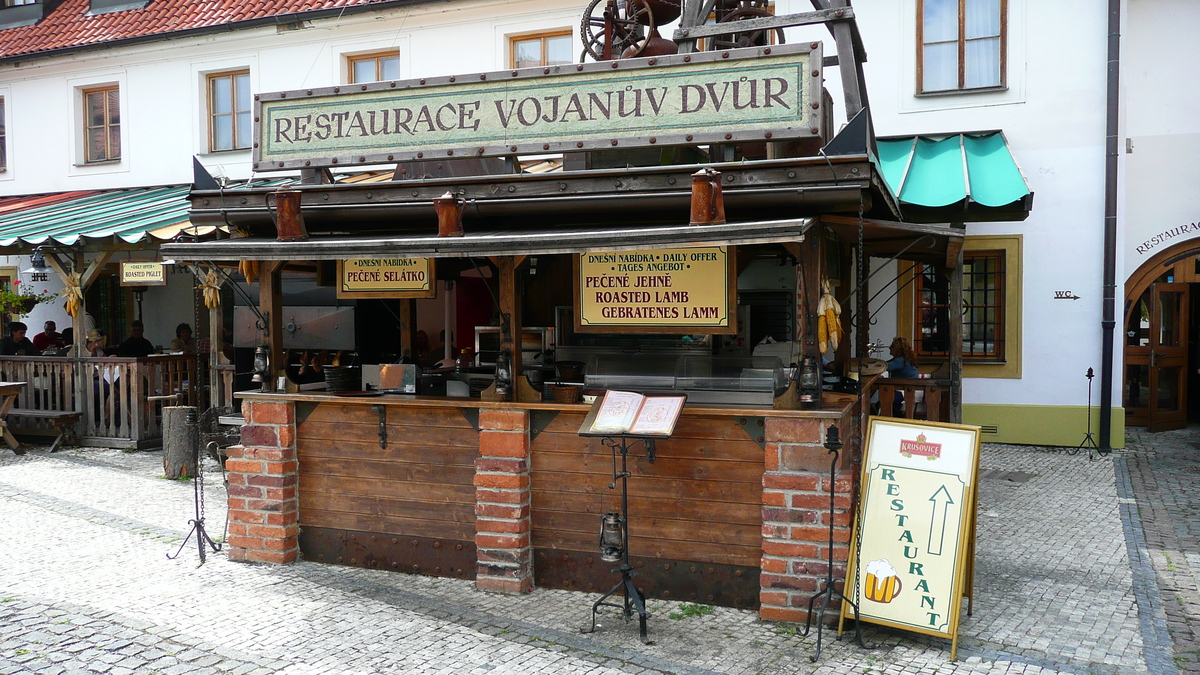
(264, 518)
(795, 514)
(502, 526)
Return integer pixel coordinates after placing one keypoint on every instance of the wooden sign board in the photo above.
(143, 273)
(660, 290)
(914, 539)
(386, 278)
(729, 96)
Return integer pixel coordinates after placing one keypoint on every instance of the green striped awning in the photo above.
(131, 215)
(967, 170)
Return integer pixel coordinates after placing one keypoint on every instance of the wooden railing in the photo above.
(922, 399)
(121, 399)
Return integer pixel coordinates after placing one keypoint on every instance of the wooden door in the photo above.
(1168, 357)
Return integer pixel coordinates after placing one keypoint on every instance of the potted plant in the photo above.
(17, 303)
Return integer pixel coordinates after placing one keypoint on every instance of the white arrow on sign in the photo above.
(937, 520)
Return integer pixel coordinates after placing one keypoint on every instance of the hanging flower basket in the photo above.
(15, 303)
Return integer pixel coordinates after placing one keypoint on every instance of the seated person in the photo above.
(183, 339)
(93, 344)
(16, 344)
(48, 338)
(136, 345)
(904, 360)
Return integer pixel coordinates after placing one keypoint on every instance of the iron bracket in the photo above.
(755, 428)
(382, 410)
(539, 420)
(472, 415)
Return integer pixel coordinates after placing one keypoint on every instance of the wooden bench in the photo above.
(64, 422)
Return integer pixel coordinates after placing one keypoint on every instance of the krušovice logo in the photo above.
(921, 448)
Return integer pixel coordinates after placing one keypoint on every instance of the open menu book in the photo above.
(632, 414)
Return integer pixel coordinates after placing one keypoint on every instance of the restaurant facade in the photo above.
(639, 267)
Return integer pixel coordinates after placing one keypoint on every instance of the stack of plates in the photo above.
(343, 378)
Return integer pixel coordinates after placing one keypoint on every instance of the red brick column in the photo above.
(795, 514)
(502, 526)
(263, 508)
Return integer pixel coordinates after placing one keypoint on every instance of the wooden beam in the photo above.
(408, 328)
(955, 302)
(510, 308)
(93, 269)
(953, 253)
(59, 267)
(270, 303)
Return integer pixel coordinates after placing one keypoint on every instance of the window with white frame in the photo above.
(551, 48)
(375, 67)
(960, 45)
(229, 111)
(102, 124)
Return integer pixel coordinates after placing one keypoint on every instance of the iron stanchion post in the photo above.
(197, 523)
(829, 591)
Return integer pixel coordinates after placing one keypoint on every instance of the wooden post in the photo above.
(216, 393)
(510, 306)
(408, 328)
(955, 305)
(270, 303)
(179, 442)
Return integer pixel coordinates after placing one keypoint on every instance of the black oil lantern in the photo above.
(504, 375)
(809, 383)
(262, 367)
(612, 537)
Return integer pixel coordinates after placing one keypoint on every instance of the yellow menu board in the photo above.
(143, 273)
(386, 278)
(660, 290)
(914, 540)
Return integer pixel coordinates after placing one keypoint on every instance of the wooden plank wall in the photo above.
(421, 485)
(700, 501)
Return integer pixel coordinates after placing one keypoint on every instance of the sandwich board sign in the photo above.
(913, 549)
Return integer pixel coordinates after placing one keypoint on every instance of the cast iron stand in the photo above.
(198, 488)
(1089, 441)
(633, 598)
(829, 592)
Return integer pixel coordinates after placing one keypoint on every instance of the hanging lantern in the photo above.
(504, 375)
(809, 383)
(612, 537)
(262, 367)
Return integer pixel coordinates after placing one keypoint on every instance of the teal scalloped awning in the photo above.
(967, 171)
(130, 215)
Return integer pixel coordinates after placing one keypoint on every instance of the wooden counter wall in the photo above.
(728, 514)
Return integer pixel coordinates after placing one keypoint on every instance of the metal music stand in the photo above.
(829, 592)
(633, 599)
(1089, 441)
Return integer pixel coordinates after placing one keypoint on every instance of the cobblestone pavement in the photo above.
(1164, 471)
(1065, 583)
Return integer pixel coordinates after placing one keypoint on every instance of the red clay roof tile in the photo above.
(69, 26)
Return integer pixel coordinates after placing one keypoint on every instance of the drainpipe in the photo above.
(1109, 322)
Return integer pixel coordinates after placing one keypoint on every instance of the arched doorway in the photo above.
(1160, 336)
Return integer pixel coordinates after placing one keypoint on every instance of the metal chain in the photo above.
(862, 436)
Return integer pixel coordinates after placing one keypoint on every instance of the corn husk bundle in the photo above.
(829, 320)
(249, 269)
(212, 289)
(73, 293)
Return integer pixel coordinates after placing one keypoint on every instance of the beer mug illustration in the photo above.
(882, 583)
